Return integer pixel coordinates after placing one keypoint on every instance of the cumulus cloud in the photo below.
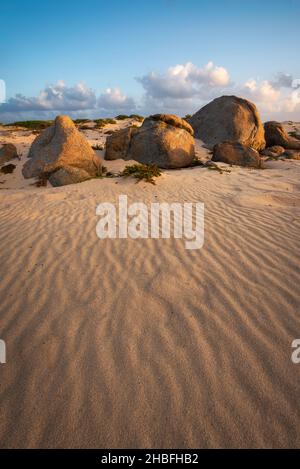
(262, 92)
(56, 97)
(282, 80)
(113, 100)
(78, 100)
(184, 81)
(61, 97)
(272, 98)
(181, 89)
(185, 88)
(285, 80)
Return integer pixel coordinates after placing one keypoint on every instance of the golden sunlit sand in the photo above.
(142, 343)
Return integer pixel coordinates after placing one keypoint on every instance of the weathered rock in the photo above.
(61, 145)
(173, 120)
(167, 143)
(274, 151)
(291, 154)
(68, 175)
(236, 154)
(276, 135)
(7, 153)
(231, 119)
(117, 144)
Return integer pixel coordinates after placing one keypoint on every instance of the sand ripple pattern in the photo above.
(142, 343)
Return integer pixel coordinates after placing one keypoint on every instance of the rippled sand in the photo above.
(141, 343)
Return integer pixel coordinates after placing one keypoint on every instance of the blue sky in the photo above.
(103, 57)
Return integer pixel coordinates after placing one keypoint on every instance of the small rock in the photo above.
(276, 135)
(68, 175)
(236, 154)
(7, 152)
(117, 144)
(8, 168)
(273, 152)
(291, 154)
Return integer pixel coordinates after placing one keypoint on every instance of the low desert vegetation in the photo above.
(121, 117)
(100, 123)
(137, 117)
(81, 121)
(214, 167)
(142, 172)
(32, 125)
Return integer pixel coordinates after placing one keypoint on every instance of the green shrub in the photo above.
(137, 117)
(86, 127)
(121, 117)
(214, 167)
(32, 125)
(142, 172)
(100, 123)
(81, 121)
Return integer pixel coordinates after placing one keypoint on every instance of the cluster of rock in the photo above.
(232, 128)
(229, 125)
(62, 155)
(163, 139)
(279, 143)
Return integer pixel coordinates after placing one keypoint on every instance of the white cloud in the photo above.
(274, 99)
(60, 97)
(262, 92)
(113, 100)
(282, 80)
(57, 97)
(181, 89)
(184, 81)
(78, 100)
(186, 88)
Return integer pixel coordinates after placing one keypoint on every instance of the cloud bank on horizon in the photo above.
(181, 89)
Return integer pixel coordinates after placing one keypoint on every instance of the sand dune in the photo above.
(142, 343)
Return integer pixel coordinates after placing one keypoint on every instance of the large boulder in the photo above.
(231, 119)
(8, 152)
(276, 135)
(61, 146)
(237, 154)
(117, 144)
(164, 140)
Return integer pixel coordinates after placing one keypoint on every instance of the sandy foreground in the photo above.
(142, 343)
